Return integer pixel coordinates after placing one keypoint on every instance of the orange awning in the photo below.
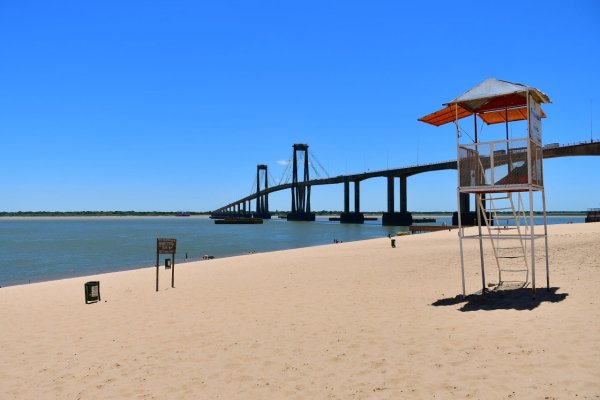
(514, 114)
(455, 112)
(493, 100)
(448, 114)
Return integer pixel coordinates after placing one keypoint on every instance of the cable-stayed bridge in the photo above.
(300, 186)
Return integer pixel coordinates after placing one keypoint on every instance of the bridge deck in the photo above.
(579, 149)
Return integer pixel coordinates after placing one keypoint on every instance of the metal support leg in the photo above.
(479, 212)
(546, 241)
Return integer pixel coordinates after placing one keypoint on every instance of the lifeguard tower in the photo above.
(505, 176)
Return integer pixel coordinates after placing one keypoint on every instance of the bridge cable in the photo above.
(285, 171)
(272, 181)
(314, 157)
(317, 175)
(253, 187)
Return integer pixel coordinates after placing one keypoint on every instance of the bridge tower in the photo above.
(300, 190)
(262, 200)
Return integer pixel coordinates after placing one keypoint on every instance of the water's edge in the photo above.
(39, 249)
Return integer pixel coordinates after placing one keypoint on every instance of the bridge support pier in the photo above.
(355, 217)
(239, 211)
(392, 218)
(261, 215)
(352, 218)
(467, 217)
(297, 216)
(397, 219)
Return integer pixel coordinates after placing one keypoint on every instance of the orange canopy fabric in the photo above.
(514, 114)
(445, 115)
(455, 112)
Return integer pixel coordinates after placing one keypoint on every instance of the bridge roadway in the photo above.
(396, 172)
(579, 149)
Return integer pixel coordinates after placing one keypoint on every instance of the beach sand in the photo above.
(355, 320)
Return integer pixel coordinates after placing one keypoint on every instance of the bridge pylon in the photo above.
(262, 200)
(391, 217)
(300, 192)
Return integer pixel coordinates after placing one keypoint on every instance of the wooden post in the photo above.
(157, 259)
(173, 272)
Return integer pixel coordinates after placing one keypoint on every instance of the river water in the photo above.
(41, 249)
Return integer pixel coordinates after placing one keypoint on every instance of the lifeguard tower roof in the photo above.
(493, 100)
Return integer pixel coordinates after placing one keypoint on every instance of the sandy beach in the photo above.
(356, 320)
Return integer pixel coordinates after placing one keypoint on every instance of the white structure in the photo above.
(504, 173)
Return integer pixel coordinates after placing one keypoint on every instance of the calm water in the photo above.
(40, 249)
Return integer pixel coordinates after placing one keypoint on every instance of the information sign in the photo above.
(167, 246)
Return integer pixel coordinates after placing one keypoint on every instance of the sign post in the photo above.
(166, 246)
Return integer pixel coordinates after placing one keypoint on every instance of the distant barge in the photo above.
(422, 220)
(239, 221)
(366, 218)
(593, 215)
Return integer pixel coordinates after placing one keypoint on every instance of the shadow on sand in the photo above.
(514, 299)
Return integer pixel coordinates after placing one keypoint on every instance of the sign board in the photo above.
(535, 121)
(167, 246)
(92, 291)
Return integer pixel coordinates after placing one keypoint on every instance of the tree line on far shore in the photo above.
(99, 213)
(197, 213)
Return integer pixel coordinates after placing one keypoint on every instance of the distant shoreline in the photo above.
(102, 214)
(62, 214)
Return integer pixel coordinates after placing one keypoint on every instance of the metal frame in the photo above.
(529, 188)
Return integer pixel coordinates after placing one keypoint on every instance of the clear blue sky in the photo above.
(169, 105)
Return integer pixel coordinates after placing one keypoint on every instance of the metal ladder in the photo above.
(509, 242)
